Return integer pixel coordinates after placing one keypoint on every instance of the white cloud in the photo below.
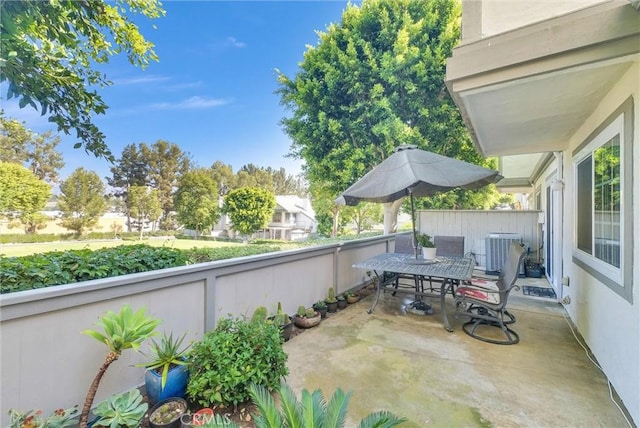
(143, 80)
(190, 104)
(231, 41)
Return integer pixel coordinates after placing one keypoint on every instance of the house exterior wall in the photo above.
(489, 17)
(609, 323)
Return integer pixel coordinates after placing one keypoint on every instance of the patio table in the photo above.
(448, 268)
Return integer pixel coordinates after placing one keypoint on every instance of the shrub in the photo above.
(201, 255)
(231, 357)
(55, 268)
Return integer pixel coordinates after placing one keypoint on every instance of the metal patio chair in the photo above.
(485, 302)
(446, 246)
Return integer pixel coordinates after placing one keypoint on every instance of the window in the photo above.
(603, 205)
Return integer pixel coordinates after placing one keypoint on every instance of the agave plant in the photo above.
(167, 354)
(123, 330)
(312, 411)
(121, 410)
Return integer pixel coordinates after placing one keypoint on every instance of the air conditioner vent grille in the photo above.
(497, 249)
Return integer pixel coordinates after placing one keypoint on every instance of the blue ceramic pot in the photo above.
(176, 385)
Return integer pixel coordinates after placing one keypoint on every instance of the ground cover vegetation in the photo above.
(66, 267)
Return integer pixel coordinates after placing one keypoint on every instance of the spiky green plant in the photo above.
(259, 314)
(166, 354)
(280, 318)
(331, 297)
(121, 410)
(312, 411)
(123, 330)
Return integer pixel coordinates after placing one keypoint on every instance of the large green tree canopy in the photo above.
(22, 194)
(249, 208)
(49, 50)
(376, 81)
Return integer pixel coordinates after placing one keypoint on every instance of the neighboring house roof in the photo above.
(296, 205)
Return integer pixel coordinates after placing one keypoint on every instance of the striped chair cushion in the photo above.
(477, 293)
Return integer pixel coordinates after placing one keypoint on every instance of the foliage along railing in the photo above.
(67, 267)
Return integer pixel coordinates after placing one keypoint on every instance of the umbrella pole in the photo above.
(413, 224)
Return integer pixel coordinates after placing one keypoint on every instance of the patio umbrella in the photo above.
(411, 172)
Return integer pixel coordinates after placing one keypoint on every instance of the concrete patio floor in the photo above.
(409, 365)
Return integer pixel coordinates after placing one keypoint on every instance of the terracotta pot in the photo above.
(304, 322)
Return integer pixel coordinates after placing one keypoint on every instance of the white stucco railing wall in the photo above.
(46, 363)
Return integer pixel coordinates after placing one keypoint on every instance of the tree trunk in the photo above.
(391, 216)
(336, 223)
(88, 401)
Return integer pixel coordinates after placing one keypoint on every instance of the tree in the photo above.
(374, 82)
(167, 163)
(143, 204)
(48, 49)
(22, 195)
(82, 200)
(37, 152)
(249, 209)
(196, 200)
(364, 215)
(223, 175)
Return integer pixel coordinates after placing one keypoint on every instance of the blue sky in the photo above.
(212, 92)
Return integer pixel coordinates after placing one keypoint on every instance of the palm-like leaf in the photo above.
(313, 408)
(337, 409)
(382, 419)
(291, 408)
(269, 416)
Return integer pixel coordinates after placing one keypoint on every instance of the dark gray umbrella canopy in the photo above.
(411, 171)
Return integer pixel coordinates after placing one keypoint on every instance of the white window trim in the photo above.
(616, 127)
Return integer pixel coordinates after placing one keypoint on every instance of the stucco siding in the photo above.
(491, 17)
(609, 323)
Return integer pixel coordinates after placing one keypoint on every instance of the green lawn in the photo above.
(16, 250)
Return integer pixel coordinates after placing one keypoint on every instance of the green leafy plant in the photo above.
(121, 410)
(312, 411)
(166, 354)
(331, 296)
(232, 356)
(60, 418)
(123, 330)
(425, 241)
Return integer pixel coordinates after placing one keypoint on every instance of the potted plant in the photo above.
(121, 410)
(428, 247)
(167, 413)
(321, 306)
(331, 301)
(306, 317)
(283, 321)
(124, 330)
(60, 418)
(352, 297)
(342, 301)
(167, 372)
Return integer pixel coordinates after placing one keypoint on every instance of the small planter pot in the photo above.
(353, 298)
(429, 253)
(285, 331)
(323, 311)
(176, 385)
(168, 413)
(202, 416)
(305, 322)
(332, 307)
(342, 304)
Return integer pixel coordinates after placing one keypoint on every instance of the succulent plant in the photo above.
(331, 298)
(280, 318)
(302, 311)
(260, 314)
(320, 304)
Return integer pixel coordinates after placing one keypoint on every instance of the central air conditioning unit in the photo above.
(497, 250)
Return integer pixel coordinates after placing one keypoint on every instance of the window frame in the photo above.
(620, 122)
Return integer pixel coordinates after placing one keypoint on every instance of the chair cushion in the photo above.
(484, 283)
(476, 293)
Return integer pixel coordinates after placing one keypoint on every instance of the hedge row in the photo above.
(66, 267)
(21, 238)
